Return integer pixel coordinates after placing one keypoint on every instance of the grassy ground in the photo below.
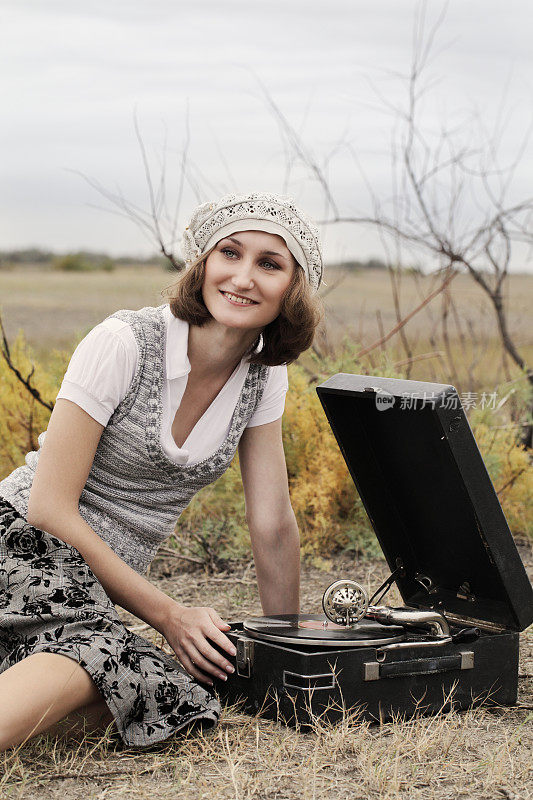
(481, 754)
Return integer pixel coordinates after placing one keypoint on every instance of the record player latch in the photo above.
(245, 657)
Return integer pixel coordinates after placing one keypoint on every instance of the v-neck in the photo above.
(153, 431)
(201, 419)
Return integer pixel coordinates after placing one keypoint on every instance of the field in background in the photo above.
(55, 309)
(361, 308)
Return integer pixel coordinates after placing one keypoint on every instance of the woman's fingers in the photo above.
(195, 639)
(218, 637)
(213, 655)
(191, 668)
(203, 663)
(219, 622)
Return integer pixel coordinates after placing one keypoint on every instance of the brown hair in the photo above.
(284, 338)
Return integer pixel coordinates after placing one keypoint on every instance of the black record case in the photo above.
(414, 460)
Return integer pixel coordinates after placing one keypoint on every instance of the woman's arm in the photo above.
(64, 464)
(270, 518)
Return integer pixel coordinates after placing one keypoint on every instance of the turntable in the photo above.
(451, 555)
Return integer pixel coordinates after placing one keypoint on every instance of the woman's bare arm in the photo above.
(64, 464)
(271, 521)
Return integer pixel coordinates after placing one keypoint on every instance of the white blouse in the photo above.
(103, 365)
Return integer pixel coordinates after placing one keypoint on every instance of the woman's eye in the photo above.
(229, 253)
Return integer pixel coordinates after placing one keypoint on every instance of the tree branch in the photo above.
(6, 353)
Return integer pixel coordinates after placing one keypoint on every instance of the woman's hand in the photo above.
(191, 633)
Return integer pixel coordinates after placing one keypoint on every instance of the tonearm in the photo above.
(345, 602)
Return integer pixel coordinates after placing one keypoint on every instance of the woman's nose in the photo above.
(242, 276)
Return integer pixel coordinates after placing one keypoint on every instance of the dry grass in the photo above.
(479, 753)
(361, 308)
(55, 309)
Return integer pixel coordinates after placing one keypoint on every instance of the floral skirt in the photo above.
(51, 601)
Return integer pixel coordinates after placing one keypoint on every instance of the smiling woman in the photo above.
(152, 408)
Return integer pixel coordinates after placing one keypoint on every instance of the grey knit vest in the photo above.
(134, 493)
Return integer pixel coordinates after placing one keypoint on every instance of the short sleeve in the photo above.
(101, 369)
(272, 403)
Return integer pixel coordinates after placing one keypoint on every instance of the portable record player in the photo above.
(415, 463)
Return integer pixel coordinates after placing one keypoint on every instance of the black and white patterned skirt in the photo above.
(51, 601)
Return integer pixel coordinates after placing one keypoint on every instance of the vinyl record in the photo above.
(313, 629)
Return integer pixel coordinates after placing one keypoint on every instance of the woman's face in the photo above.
(246, 276)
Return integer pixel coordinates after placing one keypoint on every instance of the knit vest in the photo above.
(134, 494)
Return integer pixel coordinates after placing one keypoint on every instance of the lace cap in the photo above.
(273, 213)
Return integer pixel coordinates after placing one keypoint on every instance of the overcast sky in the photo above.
(73, 73)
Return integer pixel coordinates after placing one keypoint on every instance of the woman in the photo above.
(152, 408)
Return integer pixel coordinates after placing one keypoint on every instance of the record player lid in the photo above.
(424, 485)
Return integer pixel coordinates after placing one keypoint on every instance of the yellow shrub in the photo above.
(330, 515)
(322, 492)
(22, 417)
(510, 470)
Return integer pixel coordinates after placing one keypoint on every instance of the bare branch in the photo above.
(406, 319)
(181, 182)
(6, 353)
(297, 146)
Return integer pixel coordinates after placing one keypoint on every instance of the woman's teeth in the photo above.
(243, 301)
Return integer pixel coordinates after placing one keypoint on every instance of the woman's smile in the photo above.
(237, 299)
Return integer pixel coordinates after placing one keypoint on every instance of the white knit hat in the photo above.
(258, 211)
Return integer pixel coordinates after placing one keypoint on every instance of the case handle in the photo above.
(374, 670)
(308, 683)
